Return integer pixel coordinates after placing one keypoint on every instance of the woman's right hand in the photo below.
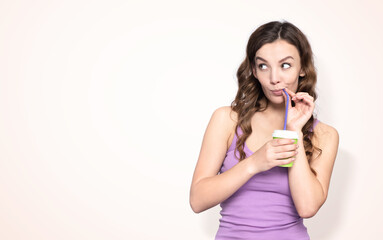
(273, 152)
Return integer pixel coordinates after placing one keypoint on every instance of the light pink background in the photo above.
(103, 106)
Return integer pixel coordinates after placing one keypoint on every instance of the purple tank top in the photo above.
(262, 208)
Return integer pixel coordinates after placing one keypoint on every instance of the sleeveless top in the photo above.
(262, 208)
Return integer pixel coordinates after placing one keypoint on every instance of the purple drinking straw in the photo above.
(287, 108)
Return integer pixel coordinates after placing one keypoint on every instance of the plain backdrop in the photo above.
(104, 104)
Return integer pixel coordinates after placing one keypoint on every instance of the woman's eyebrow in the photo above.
(283, 59)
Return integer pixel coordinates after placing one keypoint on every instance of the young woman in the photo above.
(238, 166)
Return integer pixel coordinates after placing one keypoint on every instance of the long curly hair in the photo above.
(250, 97)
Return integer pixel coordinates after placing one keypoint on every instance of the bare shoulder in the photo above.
(229, 119)
(325, 133)
(326, 138)
(226, 114)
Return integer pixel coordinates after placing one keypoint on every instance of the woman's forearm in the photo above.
(210, 191)
(306, 190)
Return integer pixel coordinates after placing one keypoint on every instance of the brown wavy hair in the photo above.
(250, 97)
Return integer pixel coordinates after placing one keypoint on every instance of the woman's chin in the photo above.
(276, 100)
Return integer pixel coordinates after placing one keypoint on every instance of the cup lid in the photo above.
(285, 134)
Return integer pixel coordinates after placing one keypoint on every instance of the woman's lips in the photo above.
(277, 93)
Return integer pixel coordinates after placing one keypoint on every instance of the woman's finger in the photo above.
(307, 99)
(302, 93)
(305, 104)
(310, 101)
(297, 98)
(281, 141)
(284, 155)
(305, 95)
(292, 94)
(283, 162)
(286, 148)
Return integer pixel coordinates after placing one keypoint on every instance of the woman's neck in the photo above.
(275, 113)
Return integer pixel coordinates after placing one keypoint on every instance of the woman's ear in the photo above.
(302, 73)
(254, 72)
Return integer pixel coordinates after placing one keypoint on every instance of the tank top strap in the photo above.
(239, 129)
(234, 141)
(315, 123)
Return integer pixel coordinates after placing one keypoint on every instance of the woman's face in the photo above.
(277, 66)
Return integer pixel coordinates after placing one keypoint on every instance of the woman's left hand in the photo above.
(301, 112)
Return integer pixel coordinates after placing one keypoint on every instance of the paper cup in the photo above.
(289, 135)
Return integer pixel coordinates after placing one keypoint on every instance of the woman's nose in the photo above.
(274, 76)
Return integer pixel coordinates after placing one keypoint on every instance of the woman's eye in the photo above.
(288, 64)
(263, 66)
(260, 66)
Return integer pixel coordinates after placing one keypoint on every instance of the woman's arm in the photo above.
(308, 191)
(209, 189)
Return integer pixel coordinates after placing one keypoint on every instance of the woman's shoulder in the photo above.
(226, 118)
(226, 115)
(324, 128)
(324, 132)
